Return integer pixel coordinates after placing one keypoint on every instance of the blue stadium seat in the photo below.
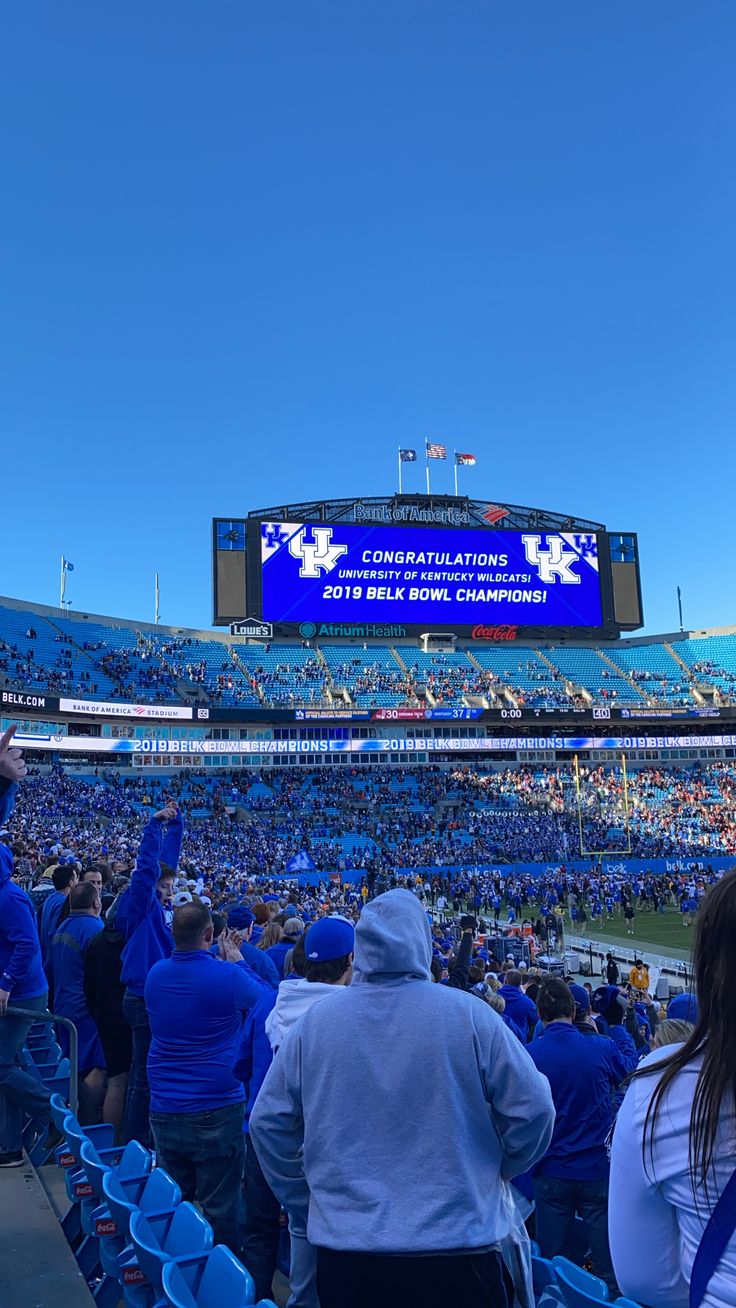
(543, 1273)
(167, 1237)
(580, 1288)
(210, 1281)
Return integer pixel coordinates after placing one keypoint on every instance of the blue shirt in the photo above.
(197, 1005)
(21, 971)
(262, 965)
(67, 952)
(50, 914)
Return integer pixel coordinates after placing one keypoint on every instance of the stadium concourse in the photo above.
(331, 1045)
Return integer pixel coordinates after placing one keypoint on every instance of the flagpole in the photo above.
(426, 460)
(155, 603)
(454, 455)
(399, 470)
(62, 586)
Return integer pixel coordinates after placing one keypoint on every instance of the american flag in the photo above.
(465, 460)
(435, 451)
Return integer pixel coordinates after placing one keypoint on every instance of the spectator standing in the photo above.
(365, 1178)
(639, 975)
(572, 1178)
(613, 976)
(327, 955)
(674, 1147)
(197, 1006)
(519, 1007)
(68, 949)
(104, 990)
(241, 919)
(22, 981)
(64, 879)
(142, 919)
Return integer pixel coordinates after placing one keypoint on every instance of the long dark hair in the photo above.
(714, 1033)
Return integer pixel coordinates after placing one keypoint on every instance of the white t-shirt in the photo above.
(655, 1221)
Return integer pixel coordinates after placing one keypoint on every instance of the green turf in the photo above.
(660, 933)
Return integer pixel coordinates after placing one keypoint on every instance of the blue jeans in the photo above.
(21, 1093)
(262, 1227)
(136, 1125)
(557, 1202)
(204, 1153)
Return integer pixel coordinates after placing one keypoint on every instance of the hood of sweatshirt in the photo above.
(6, 864)
(294, 999)
(393, 942)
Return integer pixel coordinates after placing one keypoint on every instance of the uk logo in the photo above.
(554, 562)
(586, 546)
(317, 556)
(273, 534)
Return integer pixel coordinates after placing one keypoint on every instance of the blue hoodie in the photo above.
(583, 1071)
(519, 1007)
(473, 1107)
(140, 913)
(21, 969)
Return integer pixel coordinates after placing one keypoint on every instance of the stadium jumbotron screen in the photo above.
(424, 577)
(402, 567)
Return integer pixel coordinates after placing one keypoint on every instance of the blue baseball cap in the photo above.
(331, 937)
(684, 1006)
(240, 917)
(580, 995)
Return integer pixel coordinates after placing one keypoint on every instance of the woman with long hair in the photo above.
(674, 1146)
(272, 934)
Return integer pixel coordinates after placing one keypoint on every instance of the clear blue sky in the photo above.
(249, 247)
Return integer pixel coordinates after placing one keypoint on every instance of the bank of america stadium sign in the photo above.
(395, 745)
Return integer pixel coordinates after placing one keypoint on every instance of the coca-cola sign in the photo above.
(501, 632)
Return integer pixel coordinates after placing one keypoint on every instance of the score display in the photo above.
(427, 577)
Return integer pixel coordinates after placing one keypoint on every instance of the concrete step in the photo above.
(37, 1267)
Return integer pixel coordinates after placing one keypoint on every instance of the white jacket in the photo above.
(294, 999)
(655, 1221)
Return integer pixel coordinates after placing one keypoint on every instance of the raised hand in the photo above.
(12, 765)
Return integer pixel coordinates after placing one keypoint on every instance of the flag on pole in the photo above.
(408, 456)
(435, 451)
(301, 862)
(68, 567)
(465, 460)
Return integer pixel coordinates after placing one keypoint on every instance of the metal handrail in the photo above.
(73, 1046)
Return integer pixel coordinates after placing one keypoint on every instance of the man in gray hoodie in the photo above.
(389, 1119)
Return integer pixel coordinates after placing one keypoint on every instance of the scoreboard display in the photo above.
(294, 576)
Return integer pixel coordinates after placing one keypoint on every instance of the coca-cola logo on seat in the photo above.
(501, 632)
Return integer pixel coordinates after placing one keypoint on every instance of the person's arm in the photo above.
(138, 900)
(20, 935)
(639, 1218)
(519, 1096)
(277, 1127)
(12, 771)
(624, 1055)
(171, 847)
(458, 977)
(248, 987)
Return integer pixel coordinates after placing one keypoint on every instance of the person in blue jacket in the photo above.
(278, 953)
(197, 1006)
(519, 1006)
(572, 1178)
(143, 919)
(22, 981)
(68, 949)
(64, 879)
(241, 919)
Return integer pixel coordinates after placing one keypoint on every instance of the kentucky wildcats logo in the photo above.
(274, 534)
(554, 562)
(316, 556)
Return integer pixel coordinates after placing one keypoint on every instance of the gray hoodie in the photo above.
(409, 1099)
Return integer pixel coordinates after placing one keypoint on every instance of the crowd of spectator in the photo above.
(313, 1012)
